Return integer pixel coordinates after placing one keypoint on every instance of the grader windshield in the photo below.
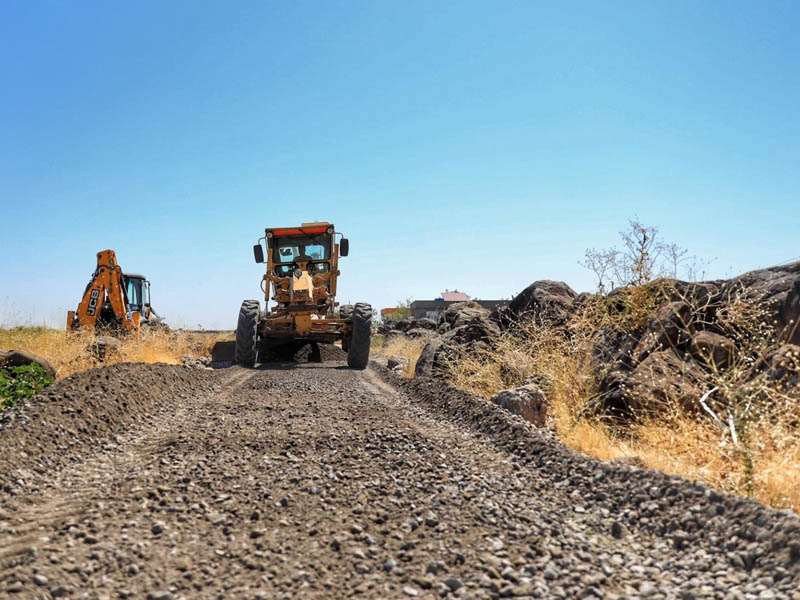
(303, 247)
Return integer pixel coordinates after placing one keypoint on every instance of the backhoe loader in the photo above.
(302, 267)
(113, 301)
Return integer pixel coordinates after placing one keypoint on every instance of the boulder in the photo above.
(477, 330)
(401, 324)
(777, 289)
(583, 299)
(546, 301)
(398, 363)
(670, 328)
(778, 368)
(461, 313)
(790, 315)
(662, 380)
(527, 401)
(427, 362)
(712, 349)
(21, 358)
(699, 294)
(613, 348)
(425, 323)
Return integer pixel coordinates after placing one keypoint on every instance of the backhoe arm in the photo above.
(106, 285)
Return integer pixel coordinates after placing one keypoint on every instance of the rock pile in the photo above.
(695, 334)
(689, 334)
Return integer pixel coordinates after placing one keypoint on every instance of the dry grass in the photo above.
(71, 353)
(765, 464)
(399, 346)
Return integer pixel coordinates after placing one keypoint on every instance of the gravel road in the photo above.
(315, 481)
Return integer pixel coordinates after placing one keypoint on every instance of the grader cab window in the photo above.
(289, 248)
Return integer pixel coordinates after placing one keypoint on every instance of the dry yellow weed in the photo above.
(71, 353)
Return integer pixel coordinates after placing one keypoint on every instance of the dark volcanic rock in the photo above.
(462, 313)
(527, 401)
(397, 362)
(779, 367)
(546, 301)
(613, 348)
(474, 329)
(426, 363)
(671, 328)
(426, 324)
(663, 379)
(712, 349)
(401, 324)
(477, 330)
(777, 289)
(790, 315)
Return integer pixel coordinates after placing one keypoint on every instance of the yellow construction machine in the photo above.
(302, 269)
(114, 301)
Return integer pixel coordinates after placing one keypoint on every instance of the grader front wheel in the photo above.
(346, 313)
(358, 351)
(247, 333)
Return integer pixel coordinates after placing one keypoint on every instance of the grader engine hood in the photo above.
(301, 287)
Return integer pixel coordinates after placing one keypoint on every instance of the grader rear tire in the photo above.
(247, 333)
(358, 353)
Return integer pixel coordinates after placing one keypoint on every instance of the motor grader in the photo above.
(302, 267)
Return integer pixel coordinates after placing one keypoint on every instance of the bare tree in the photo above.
(601, 263)
(639, 259)
(644, 256)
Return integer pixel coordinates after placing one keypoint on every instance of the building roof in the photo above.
(454, 296)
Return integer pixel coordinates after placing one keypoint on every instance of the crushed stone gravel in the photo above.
(312, 480)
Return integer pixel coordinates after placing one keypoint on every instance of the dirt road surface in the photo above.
(315, 481)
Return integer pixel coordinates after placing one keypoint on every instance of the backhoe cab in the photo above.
(302, 267)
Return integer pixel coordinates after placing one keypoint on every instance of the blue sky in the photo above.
(469, 145)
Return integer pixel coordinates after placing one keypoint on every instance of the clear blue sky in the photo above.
(470, 145)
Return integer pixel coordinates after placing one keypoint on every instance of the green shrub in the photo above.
(19, 383)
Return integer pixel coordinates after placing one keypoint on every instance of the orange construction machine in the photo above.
(114, 301)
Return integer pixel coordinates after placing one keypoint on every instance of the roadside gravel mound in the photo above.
(85, 411)
(700, 522)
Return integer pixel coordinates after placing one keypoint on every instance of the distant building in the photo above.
(431, 309)
(385, 312)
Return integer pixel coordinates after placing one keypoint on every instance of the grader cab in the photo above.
(302, 267)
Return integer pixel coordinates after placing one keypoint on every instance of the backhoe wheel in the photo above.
(247, 333)
(358, 353)
(346, 313)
